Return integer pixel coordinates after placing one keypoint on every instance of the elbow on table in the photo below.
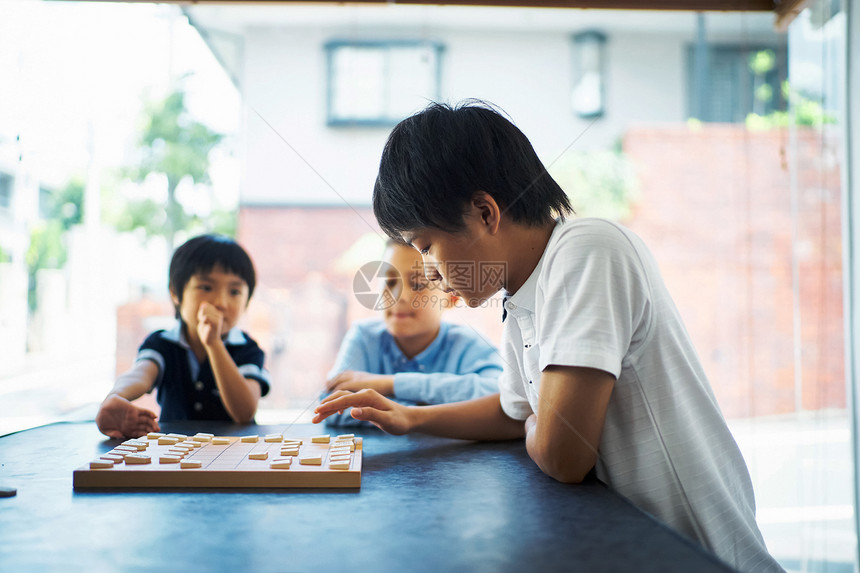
(567, 471)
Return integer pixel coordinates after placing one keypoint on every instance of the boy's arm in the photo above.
(564, 436)
(442, 387)
(480, 419)
(240, 395)
(117, 416)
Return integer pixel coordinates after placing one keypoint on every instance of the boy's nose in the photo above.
(220, 300)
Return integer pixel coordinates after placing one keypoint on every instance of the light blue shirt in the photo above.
(458, 365)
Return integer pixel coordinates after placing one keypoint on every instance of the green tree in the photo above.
(47, 248)
(176, 146)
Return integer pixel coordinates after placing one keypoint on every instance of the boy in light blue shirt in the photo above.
(410, 354)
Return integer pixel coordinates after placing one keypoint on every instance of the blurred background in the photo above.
(717, 136)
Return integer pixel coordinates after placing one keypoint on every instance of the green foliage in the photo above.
(807, 112)
(47, 248)
(47, 251)
(599, 183)
(762, 62)
(67, 205)
(175, 146)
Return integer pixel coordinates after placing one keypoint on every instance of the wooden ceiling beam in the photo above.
(685, 5)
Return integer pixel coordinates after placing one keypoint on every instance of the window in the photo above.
(727, 83)
(380, 83)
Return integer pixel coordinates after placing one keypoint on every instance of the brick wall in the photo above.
(716, 209)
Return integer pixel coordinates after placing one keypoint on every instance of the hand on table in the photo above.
(119, 418)
(369, 406)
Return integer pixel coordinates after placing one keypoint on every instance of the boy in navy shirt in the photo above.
(204, 368)
(410, 354)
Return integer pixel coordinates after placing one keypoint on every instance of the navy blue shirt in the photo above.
(186, 388)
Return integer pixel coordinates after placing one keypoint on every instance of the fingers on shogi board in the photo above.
(160, 460)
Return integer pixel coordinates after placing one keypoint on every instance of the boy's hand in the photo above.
(118, 418)
(353, 381)
(209, 323)
(368, 406)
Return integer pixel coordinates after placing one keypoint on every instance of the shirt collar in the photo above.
(176, 334)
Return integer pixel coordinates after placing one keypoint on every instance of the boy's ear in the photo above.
(489, 211)
(174, 298)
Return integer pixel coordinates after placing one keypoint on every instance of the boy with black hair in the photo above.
(204, 368)
(600, 373)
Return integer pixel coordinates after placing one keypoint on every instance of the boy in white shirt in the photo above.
(599, 370)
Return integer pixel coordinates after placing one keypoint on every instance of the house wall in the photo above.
(292, 157)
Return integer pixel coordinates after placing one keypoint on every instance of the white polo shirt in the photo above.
(596, 299)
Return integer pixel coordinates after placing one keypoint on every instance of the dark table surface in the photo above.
(425, 504)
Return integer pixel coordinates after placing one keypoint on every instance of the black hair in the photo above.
(435, 160)
(203, 253)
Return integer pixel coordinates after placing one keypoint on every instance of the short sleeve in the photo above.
(153, 349)
(249, 359)
(592, 298)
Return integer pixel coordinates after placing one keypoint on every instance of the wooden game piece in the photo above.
(339, 465)
(259, 455)
(100, 464)
(154, 435)
(250, 439)
(169, 459)
(177, 452)
(167, 441)
(205, 435)
(200, 439)
(189, 443)
(321, 439)
(120, 453)
(139, 446)
(347, 445)
(132, 459)
(220, 441)
(297, 441)
(177, 436)
(272, 438)
(281, 463)
(112, 458)
(340, 457)
(344, 436)
(311, 460)
(335, 451)
(289, 451)
(129, 449)
(190, 464)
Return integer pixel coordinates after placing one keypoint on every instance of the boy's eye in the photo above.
(235, 292)
(425, 250)
(206, 288)
(390, 282)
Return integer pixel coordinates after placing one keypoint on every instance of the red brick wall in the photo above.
(716, 209)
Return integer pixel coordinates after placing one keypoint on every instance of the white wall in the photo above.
(524, 69)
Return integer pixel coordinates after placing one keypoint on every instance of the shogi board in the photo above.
(226, 466)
